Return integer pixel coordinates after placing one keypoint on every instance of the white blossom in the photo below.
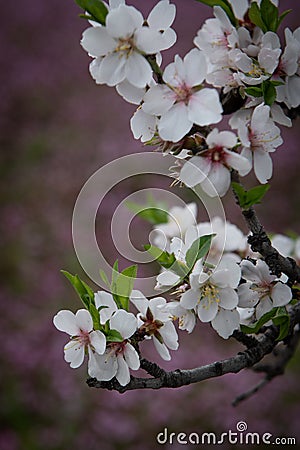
(181, 102)
(211, 168)
(262, 290)
(119, 46)
(259, 137)
(156, 323)
(82, 336)
(119, 357)
(213, 296)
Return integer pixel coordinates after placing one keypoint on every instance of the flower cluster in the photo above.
(207, 267)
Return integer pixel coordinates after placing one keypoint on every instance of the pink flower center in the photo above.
(216, 155)
(84, 338)
(183, 93)
(117, 348)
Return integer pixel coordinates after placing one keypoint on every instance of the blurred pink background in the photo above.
(57, 128)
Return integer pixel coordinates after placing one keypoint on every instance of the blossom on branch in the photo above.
(119, 47)
(211, 168)
(80, 327)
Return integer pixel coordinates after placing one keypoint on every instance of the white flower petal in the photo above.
(104, 367)
(142, 125)
(228, 298)
(112, 69)
(195, 171)
(98, 341)
(131, 357)
(250, 272)
(149, 40)
(124, 322)
(130, 93)
(281, 294)
(158, 100)
(84, 320)
(169, 335)
(139, 301)
(175, 124)
(121, 22)
(238, 162)
(167, 278)
(195, 67)
(207, 309)
(204, 107)
(247, 297)
(162, 15)
(263, 166)
(162, 350)
(65, 321)
(265, 305)
(189, 299)
(218, 180)
(137, 70)
(74, 353)
(122, 375)
(103, 298)
(97, 42)
(226, 322)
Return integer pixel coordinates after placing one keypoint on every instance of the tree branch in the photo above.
(265, 344)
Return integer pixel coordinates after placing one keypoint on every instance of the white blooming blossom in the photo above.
(213, 296)
(211, 168)
(119, 357)
(262, 290)
(186, 317)
(156, 323)
(287, 246)
(182, 102)
(254, 71)
(216, 38)
(106, 305)
(119, 46)
(80, 328)
(180, 218)
(259, 137)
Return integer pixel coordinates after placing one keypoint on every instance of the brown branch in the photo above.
(260, 242)
(281, 356)
(177, 378)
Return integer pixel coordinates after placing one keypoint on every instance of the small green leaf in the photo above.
(114, 336)
(198, 249)
(225, 5)
(254, 91)
(251, 197)
(256, 18)
(255, 327)
(282, 320)
(104, 278)
(269, 92)
(154, 213)
(122, 285)
(164, 258)
(167, 260)
(269, 14)
(282, 16)
(86, 295)
(96, 8)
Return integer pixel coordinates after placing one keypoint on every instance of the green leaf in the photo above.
(114, 336)
(86, 295)
(153, 212)
(255, 327)
(269, 14)
(269, 92)
(282, 16)
(254, 91)
(256, 18)
(122, 285)
(282, 320)
(225, 5)
(251, 197)
(104, 278)
(198, 249)
(167, 260)
(96, 8)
